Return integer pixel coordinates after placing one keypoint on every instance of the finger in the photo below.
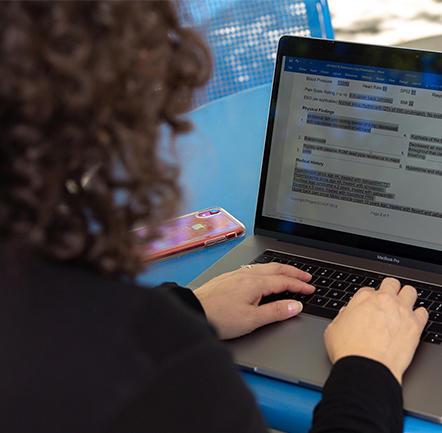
(276, 312)
(278, 269)
(390, 285)
(422, 316)
(274, 284)
(408, 294)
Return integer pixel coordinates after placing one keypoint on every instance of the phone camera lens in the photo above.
(214, 211)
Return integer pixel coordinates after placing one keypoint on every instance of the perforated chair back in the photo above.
(243, 36)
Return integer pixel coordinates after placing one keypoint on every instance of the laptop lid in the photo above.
(353, 154)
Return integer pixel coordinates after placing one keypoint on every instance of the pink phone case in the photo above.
(193, 232)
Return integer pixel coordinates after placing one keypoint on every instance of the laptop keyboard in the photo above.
(336, 285)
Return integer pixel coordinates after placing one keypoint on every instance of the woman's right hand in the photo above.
(379, 324)
(231, 301)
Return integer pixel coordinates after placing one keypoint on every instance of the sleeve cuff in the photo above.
(186, 296)
(360, 395)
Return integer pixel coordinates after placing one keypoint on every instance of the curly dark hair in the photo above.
(87, 89)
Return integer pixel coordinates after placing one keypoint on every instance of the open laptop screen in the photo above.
(353, 153)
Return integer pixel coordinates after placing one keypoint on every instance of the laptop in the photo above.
(351, 191)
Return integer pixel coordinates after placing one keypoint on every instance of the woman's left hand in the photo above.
(231, 301)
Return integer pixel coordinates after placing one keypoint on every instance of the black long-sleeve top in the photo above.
(80, 353)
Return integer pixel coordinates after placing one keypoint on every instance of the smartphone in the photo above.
(192, 232)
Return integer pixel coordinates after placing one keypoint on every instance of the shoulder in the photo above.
(74, 337)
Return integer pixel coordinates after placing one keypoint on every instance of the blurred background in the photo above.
(385, 22)
(243, 34)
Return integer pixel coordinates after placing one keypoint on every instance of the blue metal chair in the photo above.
(243, 36)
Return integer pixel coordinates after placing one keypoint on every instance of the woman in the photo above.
(85, 87)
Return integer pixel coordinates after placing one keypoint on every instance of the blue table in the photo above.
(221, 163)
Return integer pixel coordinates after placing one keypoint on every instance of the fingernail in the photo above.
(294, 308)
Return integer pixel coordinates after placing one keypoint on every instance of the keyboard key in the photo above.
(438, 336)
(420, 286)
(353, 288)
(321, 291)
(284, 295)
(423, 303)
(303, 298)
(336, 305)
(283, 261)
(277, 296)
(356, 279)
(342, 276)
(328, 313)
(435, 296)
(335, 294)
(435, 316)
(422, 293)
(433, 338)
(415, 284)
(347, 297)
(296, 264)
(339, 285)
(263, 259)
(435, 327)
(372, 282)
(323, 272)
(323, 282)
(309, 268)
(318, 300)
